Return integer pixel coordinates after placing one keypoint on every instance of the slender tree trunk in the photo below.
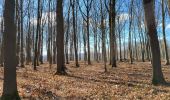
(40, 33)
(74, 33)
(103, 37)
(60, 38)
(67, 37)
(120, 41)
(41, 45)
(2, 44)
(88, 39)
(124, 47)
(18, 32)
(84, 41)
(28, 49)
(164, 35)
(113, 34)
(22, 36)
(36, 40)
(130, 33)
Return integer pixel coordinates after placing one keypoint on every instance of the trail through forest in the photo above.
(127, 81)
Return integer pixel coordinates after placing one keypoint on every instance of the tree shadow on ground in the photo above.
(115, 81)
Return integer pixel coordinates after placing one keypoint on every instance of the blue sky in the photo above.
(122, 7)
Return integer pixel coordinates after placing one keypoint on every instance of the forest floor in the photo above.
(126, 82)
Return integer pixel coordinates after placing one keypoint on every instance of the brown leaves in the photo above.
(90, 82)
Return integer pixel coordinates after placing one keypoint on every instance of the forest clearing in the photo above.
(127, 81)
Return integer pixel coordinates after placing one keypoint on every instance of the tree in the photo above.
(103, 35)
(95, 29)
(67, 36)
(28, 38)
(36, 56)
(22, 35)
(164, 34)
(18, 31)
(60, 38)
(157, 77)
(10, 85)
(49, 43)
(2, 44)
(130, 33)
(86, 17)
(112, 34)
(74, 31)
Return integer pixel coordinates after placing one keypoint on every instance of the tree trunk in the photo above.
(103, 37)
(28, 38)
(10, 84)
(74, 33)
(130, 33)
(152, 32)
(88, 39)
(22, 36)
(164, 35)
(37, 37)
(60, 38)
(2, 44)
(67, 37)
(113, 34)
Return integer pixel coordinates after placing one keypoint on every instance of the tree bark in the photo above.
(164, 34)
(113, 34)
(157, 77)
(74, 33)
(10, 84)
(60, 38)
(22, 36)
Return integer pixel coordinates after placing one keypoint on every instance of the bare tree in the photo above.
(86, 17)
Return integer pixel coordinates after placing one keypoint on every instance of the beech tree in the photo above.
(60, 38)
(157, 77)
(10, 91)
(112, 33)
